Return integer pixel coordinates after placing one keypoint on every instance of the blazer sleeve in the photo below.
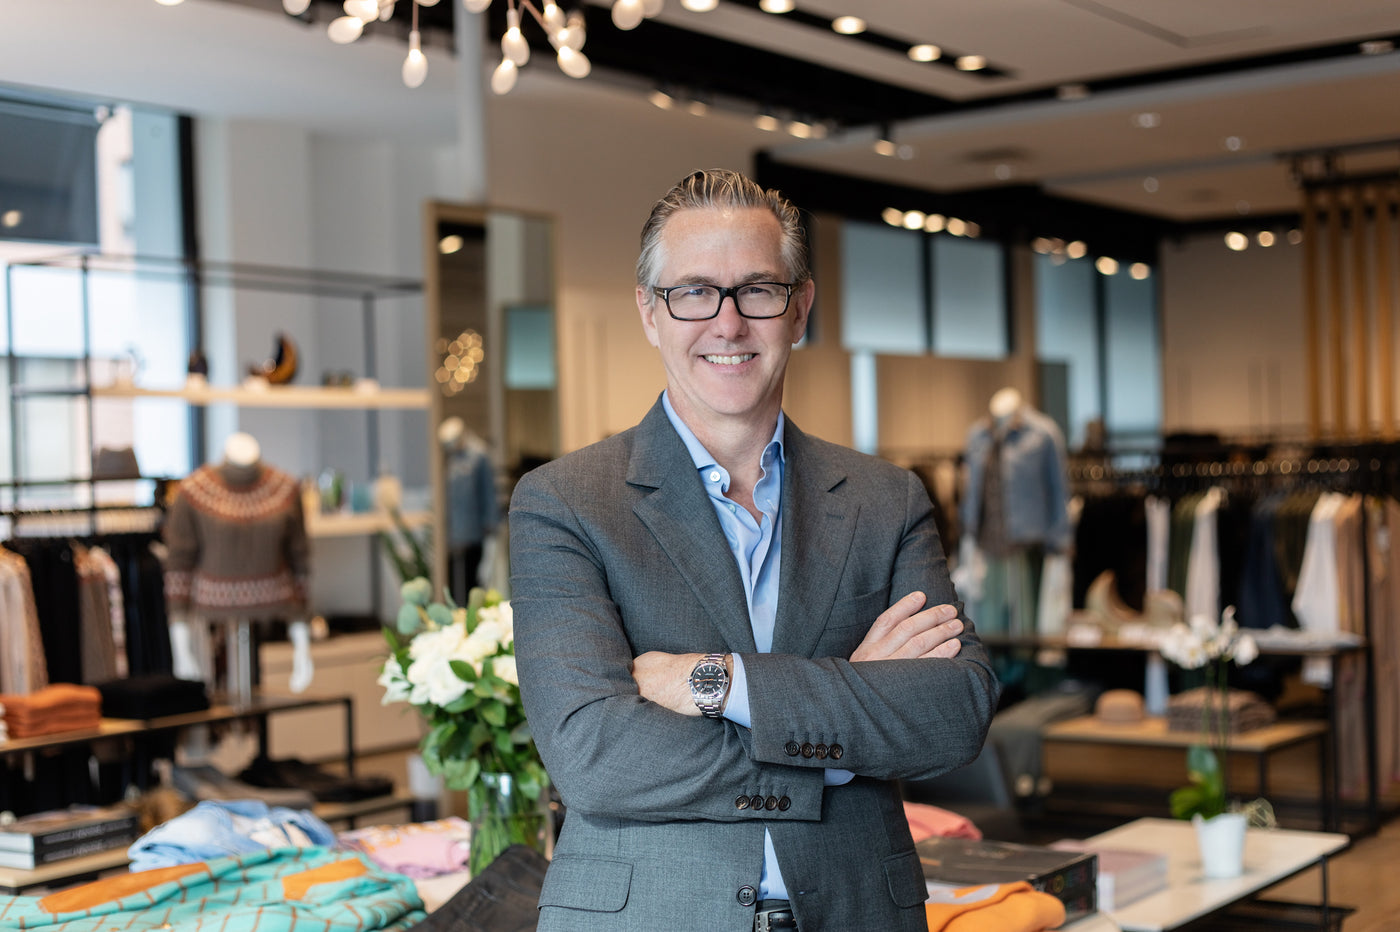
(610, 752)
(897, 719)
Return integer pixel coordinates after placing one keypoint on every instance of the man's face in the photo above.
(726, 371)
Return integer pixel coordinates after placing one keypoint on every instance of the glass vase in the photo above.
(501, 816)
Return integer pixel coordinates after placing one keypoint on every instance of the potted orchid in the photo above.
(456, 666)
(1205, 645)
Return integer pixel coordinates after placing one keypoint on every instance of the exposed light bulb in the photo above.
(170, 2)
(577, 31)
(574, 63)
(503, 78)
(386, 10)
(295, 7)
(1077, 249)
(476, 6)
(12, 218)
(652, 8)
(885, 147)
(1106, 265)
(925, 52)
(1236, 241)
(570, 36)
(776, 6)
(934, 223)
(427, 2)
(366, 11)
(699, 6)
(661, 100)
(627, 14)
(1140, 271)
(971, 63)
(893, 216)
(415, 66)
(848, 25)
(799, 129)
(766, 122)
(553, 16)
(914, 219)
(513, 44)
(345, 29)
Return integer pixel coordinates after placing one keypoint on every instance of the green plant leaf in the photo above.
(465, 671)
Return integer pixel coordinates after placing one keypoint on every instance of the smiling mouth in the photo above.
(729, 360)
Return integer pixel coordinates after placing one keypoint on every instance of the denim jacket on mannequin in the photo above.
(1034, 479)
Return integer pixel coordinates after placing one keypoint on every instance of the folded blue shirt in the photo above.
(217, 828)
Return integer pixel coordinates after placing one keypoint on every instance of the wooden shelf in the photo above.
(1153, 732)
(350, 812)
(13, 879)
(358, 525)
(282, 396)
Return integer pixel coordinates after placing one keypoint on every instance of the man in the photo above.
(730, 635)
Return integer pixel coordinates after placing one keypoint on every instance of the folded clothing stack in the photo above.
(1244, 711)
(327, 787)
(151, 696)
(57, 707)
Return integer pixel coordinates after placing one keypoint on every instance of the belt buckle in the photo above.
(774, 919)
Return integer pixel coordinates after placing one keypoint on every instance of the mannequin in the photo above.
(1015, 511)
(472, 509)
(237, 551)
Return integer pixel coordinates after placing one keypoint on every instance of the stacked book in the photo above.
(1125, 874)
(1069, 876)
(45, 837)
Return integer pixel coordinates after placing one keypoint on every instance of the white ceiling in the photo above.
(219, 58)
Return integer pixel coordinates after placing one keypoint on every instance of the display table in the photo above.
(1270, 856)
(1259, 743)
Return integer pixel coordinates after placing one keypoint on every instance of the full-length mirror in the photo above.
(490, 302)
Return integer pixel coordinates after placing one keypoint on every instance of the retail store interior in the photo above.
(391, 264)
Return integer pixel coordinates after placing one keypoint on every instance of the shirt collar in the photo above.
(700, 456)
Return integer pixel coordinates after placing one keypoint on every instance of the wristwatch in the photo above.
(709, 685)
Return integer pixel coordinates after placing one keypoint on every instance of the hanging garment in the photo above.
(99, 649)
(115, 604)
(1203, 565)
(22, 666)
(1033, 476)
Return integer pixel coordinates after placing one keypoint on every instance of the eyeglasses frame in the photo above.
(730, 292)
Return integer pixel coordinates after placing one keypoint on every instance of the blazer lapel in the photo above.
(679, 514)
(819, 526)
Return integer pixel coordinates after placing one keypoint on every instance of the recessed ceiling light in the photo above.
(1233, 143)
(1265, 238)
(1147, 119)
(1106, 266)
(1139, 270)
(1150, 184)
(1377, 47)
(1077, 249)
(925, 52)
(956, 226)
(893, 216)
(1236, 241)
(11, 218)
(698, 107)
(775, 6)
(766, 122)
(699, 6)
(885, 147)
(972, 230)
(914, 219)
(1042, 246)
(934, 223)
(971, 63)
(450, 244)
(661, 99)
(1295, 237)
(800, 129)
(848, 25)
(1002, 172)
(1072, 91)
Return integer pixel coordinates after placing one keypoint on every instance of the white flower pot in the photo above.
(1221, 840)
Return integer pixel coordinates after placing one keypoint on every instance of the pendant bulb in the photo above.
(476, 6)
(295, 7)
(345, 29)
(573, 63)
(415, 66)
(627, 14)
(503, 78)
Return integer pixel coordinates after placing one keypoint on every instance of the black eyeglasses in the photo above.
(754, 300)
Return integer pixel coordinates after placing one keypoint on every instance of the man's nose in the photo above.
(729, 317)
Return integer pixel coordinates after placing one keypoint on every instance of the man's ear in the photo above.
(646, 306)
(802, 297)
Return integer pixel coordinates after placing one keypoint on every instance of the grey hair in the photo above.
(723, 189)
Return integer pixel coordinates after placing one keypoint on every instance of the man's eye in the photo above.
(757, 291)
(696, 291)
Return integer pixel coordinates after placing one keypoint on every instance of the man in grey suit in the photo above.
(733, 637)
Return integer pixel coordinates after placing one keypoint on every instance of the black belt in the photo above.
(773, 915)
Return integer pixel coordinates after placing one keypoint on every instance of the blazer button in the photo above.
(741, 803)
(821, 752)
(757, 803)
(784, 804)
(747, 895)
(836, 751)
(792, 749)
(807, 750)
(770, 803)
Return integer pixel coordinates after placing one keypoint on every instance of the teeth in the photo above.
(729, 360)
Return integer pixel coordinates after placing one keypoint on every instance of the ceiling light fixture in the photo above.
(767, 122)
(934, 223)
(1147, 119)
(1106, 266)
(1295, 237)
(698, 107)
(776, 6)
(1373, 47)
(970, 63)
(661, 100)
(1140, 271)
(11, 218)
(1072, 91)
(170, 2)
(415, 66)
(800, 129)
(1265, 238)
(925, 52)
(1077, 249)
(914, 219)
(886, 147)
(1150, 184)
(848, 25)
(1237, 241)
(956, 226)
(893, 216)
(1233, 143)
(699, 6)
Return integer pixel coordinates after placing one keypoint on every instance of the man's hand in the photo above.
(665, 679)
(903, 632)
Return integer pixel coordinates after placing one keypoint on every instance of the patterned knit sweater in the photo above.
(237, 544)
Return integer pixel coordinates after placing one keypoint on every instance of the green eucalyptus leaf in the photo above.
(494, 713)
(408, 622)
(440, 614)
(465, 671)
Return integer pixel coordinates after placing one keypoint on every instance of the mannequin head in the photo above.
(450, 432)
(1005, 403)
(241, 449)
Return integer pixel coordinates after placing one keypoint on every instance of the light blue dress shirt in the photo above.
(757, 548)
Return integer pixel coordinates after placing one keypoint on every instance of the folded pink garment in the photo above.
(418, 849)
(927, 821)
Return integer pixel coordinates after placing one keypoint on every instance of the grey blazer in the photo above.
(616, 550)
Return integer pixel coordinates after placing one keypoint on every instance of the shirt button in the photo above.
(741, 803)
(747, 895)
(714, 475)
(792, 749)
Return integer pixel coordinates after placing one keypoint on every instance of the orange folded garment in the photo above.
(57, 707)
(1006, 907)
(927, 821)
